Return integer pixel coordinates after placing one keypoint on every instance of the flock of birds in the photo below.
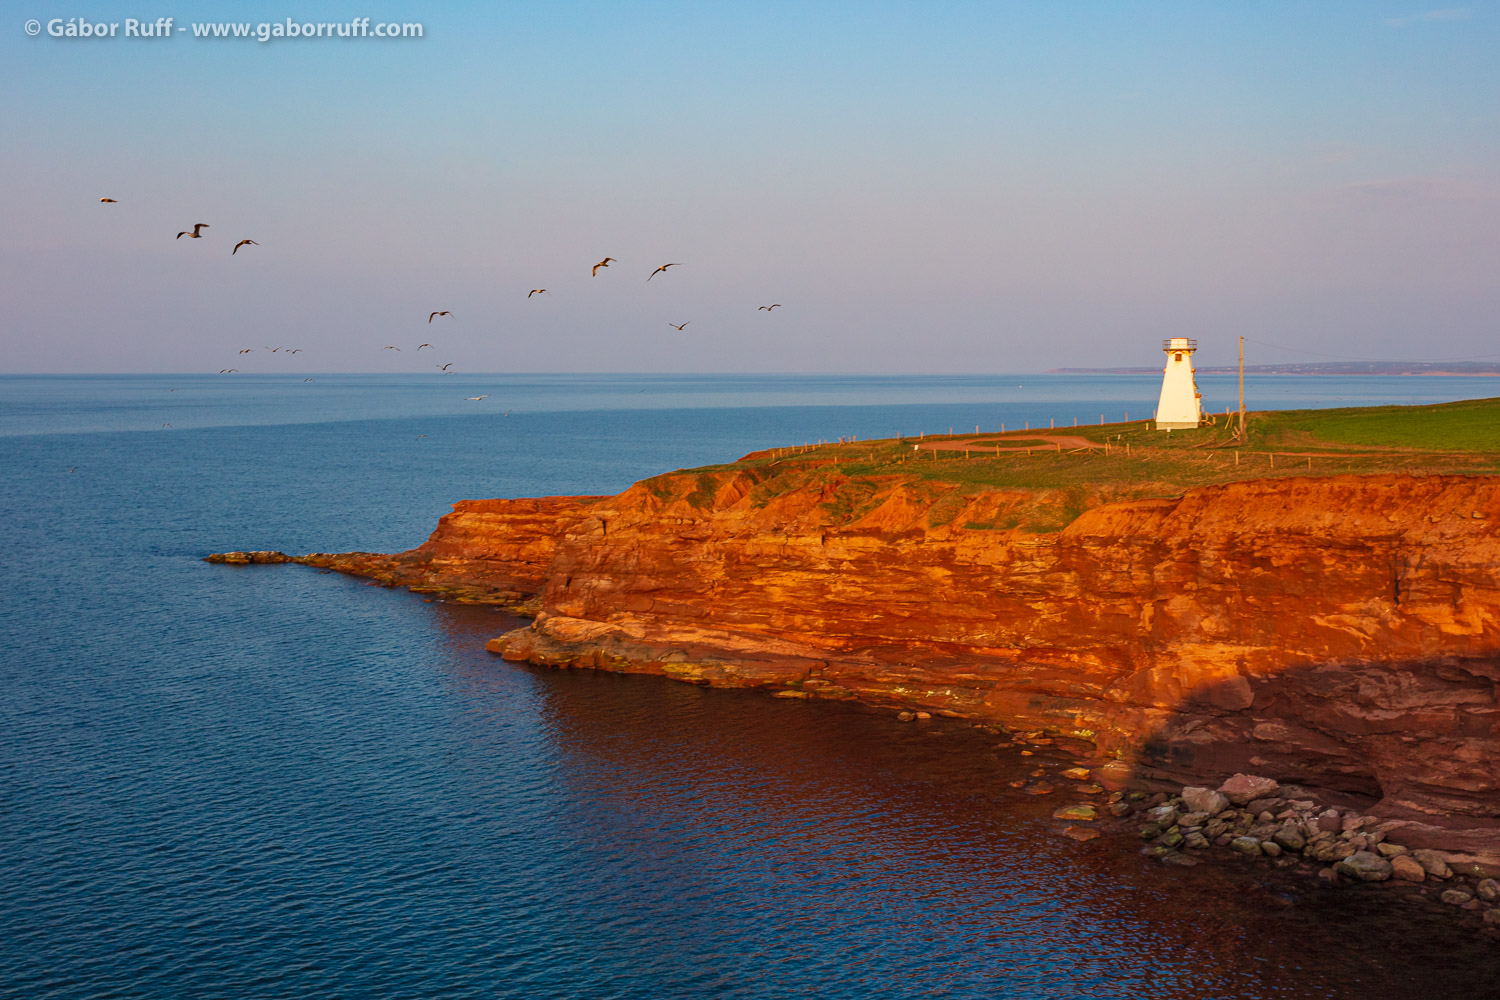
(196, 233)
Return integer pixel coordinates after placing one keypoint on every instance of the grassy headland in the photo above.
(1132, 460)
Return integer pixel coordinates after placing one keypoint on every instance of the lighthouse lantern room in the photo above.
(1180, 405)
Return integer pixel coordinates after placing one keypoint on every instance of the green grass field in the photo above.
(1471, 425)
(1462, 437)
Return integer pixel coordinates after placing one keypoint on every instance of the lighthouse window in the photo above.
(1177, 356)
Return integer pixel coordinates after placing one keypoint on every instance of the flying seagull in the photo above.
(242, 243)
(247, 350)
(603, 263)
(420, 346)
(443, 368)
(659, 270)
(107, 201)
(771, 306)
(441, 312)
(195, 234)
(536, 291)
(390, 348)
(307, 380)
(295, 350)
(226, 371)
(478, 398)
(675, 326)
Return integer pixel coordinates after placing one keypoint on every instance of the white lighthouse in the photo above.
(1178, 407)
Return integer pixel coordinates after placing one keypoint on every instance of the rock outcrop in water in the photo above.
(1339, 633)
(262, 557)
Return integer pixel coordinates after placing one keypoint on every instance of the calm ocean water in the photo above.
(270, 782)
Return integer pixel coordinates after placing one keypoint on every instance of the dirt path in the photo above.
(991, 443)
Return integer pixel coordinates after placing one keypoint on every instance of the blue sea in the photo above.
(271, 782)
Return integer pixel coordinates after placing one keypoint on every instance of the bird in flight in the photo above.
(603, 263)
(195, 234)
(420, 346)
(247, 350)
(536, 291)
(307, 380)
(389, 347)
(478, 398)
(440, 312)
(676, 326)
(243, 243)
(507, 413)
(295, 350)
(107, 201)
(443, 368)
(226, 371)
(773, 305)
(273, 350)
(659, 270)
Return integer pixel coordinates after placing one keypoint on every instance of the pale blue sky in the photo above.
(925, 187)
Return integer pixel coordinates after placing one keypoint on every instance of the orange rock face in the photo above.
(1339, 633)
(487, 551)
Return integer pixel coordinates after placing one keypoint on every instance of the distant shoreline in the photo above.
(1466, 369)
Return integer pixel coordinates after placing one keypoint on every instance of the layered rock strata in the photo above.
(1340, 633)
(486, 551)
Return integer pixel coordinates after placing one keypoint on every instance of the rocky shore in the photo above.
(1256, 817)
(1251, 819)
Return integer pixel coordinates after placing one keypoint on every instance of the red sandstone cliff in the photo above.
(1340, 633)
(488, 551)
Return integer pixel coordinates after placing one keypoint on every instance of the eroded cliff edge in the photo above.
(1337, 632)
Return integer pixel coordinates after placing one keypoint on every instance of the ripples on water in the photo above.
(270, 782)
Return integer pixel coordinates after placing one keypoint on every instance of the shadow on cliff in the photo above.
(1410, 741)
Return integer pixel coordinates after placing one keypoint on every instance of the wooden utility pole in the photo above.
(1242, 391)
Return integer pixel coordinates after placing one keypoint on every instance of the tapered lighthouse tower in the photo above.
(1179, 406)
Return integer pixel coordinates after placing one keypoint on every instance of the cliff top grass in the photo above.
(1134, 461)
